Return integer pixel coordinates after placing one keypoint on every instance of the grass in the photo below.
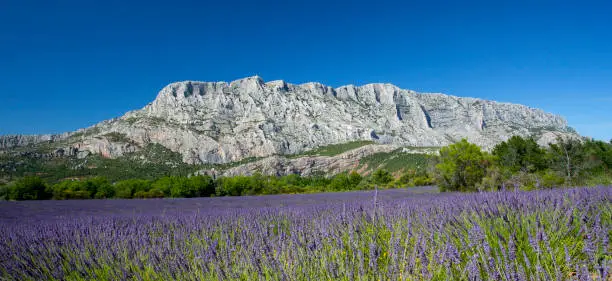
(333, 150)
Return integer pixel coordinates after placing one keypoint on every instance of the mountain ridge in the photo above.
(221, 122)
(284, 82)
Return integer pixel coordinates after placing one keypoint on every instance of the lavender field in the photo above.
(399, 234)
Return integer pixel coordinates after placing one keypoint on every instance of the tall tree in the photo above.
(461, 166)
(519, 154)
(567, 156)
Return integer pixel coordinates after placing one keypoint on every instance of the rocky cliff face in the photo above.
(219, 122)
(11, 141)
(305, 165)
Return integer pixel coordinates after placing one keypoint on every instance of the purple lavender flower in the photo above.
(589, 247)
(473, 270)
(315, 236)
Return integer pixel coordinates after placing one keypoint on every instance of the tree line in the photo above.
(34, 188)
(522, 163)
(463, 166)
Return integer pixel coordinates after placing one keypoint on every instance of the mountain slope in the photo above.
(219, 122)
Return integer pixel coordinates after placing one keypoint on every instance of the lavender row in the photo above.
(558, 234)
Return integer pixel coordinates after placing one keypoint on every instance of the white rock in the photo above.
(219, 122)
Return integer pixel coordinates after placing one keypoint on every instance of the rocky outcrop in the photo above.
(104, 147)
(305, 165)
(219, 122)
(11, 141)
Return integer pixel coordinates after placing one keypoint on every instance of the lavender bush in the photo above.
(406, 234)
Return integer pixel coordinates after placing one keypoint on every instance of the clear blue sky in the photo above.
(69, 64)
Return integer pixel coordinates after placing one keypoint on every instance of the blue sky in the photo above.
(65, 65)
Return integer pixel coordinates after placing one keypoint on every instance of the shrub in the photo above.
(461, 167)
(414, 178)
(3, 192)
(551, 179)
(339, 182)
(104, 188)
(235, 186)
(524, 181)
(382, 177)
(422, 181)
(28, 188)
(355, 178)
(153, 193)
(494, 179)
(127, 188)
(200, 186)
(599, 179)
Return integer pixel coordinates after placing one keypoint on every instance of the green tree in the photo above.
(28, 188)
(550, 179)
(461, 167)
(519, 154)
(412, 177)
(201, 186)
(3, 191)
(179, 187)
(70, 189)
(127, 188)
(292, 179)
(233, 186)
(598, 155)
(567, 156)
(339, 182)
(163, 184)
(103, 188)
(97, 187)
(382, 176)
(355, 178)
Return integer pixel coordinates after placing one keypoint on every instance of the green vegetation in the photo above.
(461, 166)
(117, 137)
(518, 154)
(225, 166)
(521, 163)
(381, 176)
(334, 149)
(33, 188)
(152, 162)
(27, 188)
(195, 186)
(3, 191)
(415, 178)
(85, 133)
(395, 161)
(156, 172)
(97, 187)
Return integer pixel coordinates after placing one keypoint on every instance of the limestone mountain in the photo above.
(219, 122)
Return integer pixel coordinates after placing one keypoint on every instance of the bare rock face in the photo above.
(219, 122)
(11, 141)
(104, 147)
(307, 165)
